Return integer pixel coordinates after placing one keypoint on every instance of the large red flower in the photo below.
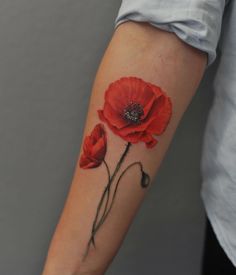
(136, 110)
(94, 148)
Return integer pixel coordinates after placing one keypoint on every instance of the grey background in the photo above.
(49, 53)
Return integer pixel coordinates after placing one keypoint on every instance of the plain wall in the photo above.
(49, 53)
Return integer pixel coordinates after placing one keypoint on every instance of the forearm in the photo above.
(156, 57)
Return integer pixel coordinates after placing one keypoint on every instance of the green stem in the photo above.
(115, 191)
(115, 172)
(106, 192)
(101, 201)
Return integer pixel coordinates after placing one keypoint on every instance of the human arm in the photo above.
(157, 57)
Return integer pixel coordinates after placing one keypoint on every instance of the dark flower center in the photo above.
(133, 113)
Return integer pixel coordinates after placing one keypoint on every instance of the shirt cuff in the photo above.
(198, 22)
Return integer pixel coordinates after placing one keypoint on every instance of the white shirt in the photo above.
(199, 23)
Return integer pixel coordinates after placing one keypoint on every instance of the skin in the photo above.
(159, 57)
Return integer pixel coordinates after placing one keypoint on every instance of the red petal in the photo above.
(115, 95)
(113, 116)
(144, 137)
(140, 91)
(94, 148)
(98, 132)
(126, 90)
(148, 107)
(87, 145)
(133, 137)
(114, 129)
(149, 140)
(98, 151)
(156, 89)
(87, 163)
(162, 118)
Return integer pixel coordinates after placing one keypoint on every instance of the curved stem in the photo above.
(116, 188)
(107, 189)
(106, 192)
(121, 160)
(108, 170)
(101, 200)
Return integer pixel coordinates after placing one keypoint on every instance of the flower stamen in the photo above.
(133, 113)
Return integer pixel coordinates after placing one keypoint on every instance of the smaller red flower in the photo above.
(94, 148)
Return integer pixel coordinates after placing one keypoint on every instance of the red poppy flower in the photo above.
(136, 110)
(94, 148)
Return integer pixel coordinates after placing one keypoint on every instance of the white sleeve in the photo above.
(196, 22)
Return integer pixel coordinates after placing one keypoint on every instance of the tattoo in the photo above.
(136, 111)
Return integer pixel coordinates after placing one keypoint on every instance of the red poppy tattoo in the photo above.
(136, 111)
(94, 148)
